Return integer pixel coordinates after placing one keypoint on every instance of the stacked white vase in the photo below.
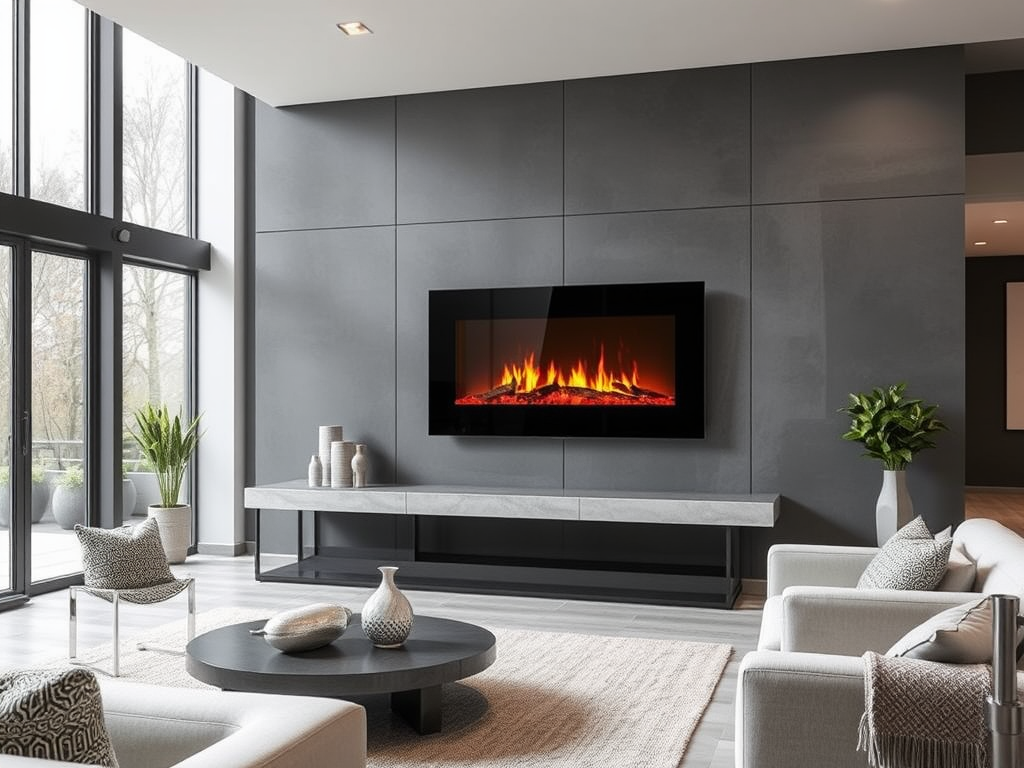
(341, 463)
(328, 435)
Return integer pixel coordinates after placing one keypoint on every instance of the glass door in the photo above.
(7, 580)
(59, 449)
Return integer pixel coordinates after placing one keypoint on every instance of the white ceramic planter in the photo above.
(894, 508)
(175, 524)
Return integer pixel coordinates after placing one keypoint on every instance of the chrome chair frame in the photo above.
(114, 596)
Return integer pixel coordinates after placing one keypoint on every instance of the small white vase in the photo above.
(360, 464)
(315, 472)
(894, 508)
(387, 615)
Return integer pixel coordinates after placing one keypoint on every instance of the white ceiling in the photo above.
(292, 52)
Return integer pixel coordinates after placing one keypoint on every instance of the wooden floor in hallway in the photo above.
(39, 630)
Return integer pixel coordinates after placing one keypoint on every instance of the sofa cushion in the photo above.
(125, 557)
(959, 635)
(54, 714)
(998, 553)
(911, 559)
(770, 638)
(960, 571)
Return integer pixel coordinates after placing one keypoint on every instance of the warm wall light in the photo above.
(351, 28)
(1000, 221)
(982, 242)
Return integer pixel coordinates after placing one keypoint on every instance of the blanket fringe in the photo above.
(886, 750)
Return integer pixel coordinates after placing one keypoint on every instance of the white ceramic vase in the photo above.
(175, 524)
(387, 615)
(328, 434)
(315, 472)
(894, 508)
(360, 464)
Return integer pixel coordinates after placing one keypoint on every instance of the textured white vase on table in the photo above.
(894, 508)
(360, 465)
(328, 434)
(387, 615)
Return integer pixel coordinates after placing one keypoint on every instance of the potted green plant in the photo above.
(893, 429)
(168, 445)
(69, 498)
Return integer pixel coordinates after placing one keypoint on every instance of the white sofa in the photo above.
(157, 727)
(800, 696)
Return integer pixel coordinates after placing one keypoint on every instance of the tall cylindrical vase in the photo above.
(387, 614)
(328, 435)
(894, 508)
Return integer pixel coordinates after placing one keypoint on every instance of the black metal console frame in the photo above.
(527, 578)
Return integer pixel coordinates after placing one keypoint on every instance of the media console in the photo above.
(676, 583)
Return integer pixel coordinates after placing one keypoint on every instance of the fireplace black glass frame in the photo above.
(683, 301)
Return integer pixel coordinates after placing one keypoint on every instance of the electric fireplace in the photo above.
(568, 361)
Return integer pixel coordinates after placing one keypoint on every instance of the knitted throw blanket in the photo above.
(922, 714)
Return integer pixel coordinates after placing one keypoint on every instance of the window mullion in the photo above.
(21, 97)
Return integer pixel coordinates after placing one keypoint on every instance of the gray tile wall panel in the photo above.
(325, 346)
(325, 165)
(663, 140)
(712, 245)
(480, 154)
(849, 296)
(467, 255)
(850, 127)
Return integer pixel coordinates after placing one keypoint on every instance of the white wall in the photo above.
(221, 340)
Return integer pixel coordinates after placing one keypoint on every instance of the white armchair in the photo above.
(800, 696)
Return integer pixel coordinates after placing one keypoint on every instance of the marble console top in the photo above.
(758, 510)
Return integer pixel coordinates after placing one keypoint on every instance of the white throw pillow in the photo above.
(960, 571)
(959, 635)
(911, 559)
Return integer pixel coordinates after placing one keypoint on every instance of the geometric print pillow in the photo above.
(911, 559)
(123, 558)
(54, 714)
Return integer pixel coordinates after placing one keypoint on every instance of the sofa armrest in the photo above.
(799, 709)
(189, 728)
(851, 621)
(793, 565)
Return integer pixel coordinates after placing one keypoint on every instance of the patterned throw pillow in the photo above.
(911, 559)
(54, 714)
(123, 558)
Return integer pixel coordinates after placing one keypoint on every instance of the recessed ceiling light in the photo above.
(352, 28)
(1000, 221)
(982, 242)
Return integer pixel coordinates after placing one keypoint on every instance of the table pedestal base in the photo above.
(421, 708)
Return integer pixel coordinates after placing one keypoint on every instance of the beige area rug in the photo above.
(555, 700)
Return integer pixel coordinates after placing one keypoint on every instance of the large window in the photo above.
(64, 458)
(156, 139)
(57, 78)
(156, 335)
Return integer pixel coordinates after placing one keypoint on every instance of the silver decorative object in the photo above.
(316, 472)
(306, 628)
(328, 435)
(360, 464)
(387, 616)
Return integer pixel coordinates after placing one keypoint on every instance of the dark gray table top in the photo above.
(437, 651)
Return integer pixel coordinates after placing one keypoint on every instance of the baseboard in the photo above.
(224, 550)
(755, 587)
(994, 489)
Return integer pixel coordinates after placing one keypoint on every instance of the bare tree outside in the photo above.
(155, 130)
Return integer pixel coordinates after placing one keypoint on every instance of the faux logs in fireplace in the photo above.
(621, 360)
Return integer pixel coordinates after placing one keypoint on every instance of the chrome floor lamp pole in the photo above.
(1003, 710)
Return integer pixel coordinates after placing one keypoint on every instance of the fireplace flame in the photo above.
(528, 376)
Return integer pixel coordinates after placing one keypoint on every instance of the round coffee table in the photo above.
(438, 651)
